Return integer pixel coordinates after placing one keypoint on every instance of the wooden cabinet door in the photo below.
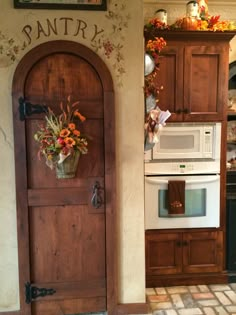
(194, 77)
(170, 77)
(202, 252)
(205, 82)
(163, 253)
(62, 236)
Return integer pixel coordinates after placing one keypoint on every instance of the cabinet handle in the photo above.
(178, 243)
(179, 111)
(186, 111)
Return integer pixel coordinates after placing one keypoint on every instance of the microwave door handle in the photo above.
(212, 178)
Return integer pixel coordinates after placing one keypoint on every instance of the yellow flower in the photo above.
(64, 133)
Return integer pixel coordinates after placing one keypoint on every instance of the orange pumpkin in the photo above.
(189, 23)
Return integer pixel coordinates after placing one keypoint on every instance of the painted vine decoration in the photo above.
(9, 48)
(112, 44)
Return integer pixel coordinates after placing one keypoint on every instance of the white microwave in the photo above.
(182, 141)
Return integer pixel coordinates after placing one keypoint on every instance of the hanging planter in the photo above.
(60, 140)
(68, 168)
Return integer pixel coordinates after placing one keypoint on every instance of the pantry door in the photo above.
(66, 243)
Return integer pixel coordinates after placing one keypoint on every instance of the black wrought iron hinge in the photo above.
(28, 109)
(32, 292)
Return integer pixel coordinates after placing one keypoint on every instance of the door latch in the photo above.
(96, 199)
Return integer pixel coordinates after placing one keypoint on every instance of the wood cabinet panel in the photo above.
(194, 76)
(202, 252)
(163, 253)
(183, 252)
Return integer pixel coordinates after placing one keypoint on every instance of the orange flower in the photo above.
(64, 133)
(71, 126)
(76, 132)
(81, 117)
(69, 141)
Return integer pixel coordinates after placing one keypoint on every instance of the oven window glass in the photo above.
(195, 203)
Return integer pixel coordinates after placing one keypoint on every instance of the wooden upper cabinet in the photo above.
(194, 75)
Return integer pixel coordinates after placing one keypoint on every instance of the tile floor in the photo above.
(193, 300)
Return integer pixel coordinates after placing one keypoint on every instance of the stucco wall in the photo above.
(20, 31)
(128, 82)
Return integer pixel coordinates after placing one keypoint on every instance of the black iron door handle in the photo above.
(96, 199)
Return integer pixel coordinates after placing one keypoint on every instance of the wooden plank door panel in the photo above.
(67, 237)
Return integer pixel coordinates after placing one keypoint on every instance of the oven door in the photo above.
(202, 202)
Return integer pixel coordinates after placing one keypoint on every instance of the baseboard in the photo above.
(232, 277)
(193, 279)
(133, 308)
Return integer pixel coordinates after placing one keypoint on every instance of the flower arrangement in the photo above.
(205, 22)
(154, 48)
(59, 137)
(155, 118)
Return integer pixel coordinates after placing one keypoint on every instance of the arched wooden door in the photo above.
(66, 246)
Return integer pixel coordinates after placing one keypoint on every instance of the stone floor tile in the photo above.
(158, 298)
(220, 311)
(231, 309)
(171, 312)
(193, 289)
(203, 288)
(212, 302)
(160, 290)
(233, 286)
(177, 301)
(161, 305)
(222, 298)
(231, 295)
(150, 291)
(190, 311)
(188, 300)
(206, 295)
(160, 312)
(178, 289)
(209, 311)
(219, 287)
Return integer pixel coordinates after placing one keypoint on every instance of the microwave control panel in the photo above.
(207, 150)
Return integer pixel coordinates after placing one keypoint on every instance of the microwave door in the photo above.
(202, 202)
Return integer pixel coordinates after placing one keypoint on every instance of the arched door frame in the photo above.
(20, 75)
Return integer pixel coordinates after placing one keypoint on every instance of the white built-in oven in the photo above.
(201, 202)
(182, 177)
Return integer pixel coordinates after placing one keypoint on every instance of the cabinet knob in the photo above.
(178, 243)
(186, 111)
(179, 111)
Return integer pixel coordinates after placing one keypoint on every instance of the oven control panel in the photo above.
(195, 167)
(182, 168)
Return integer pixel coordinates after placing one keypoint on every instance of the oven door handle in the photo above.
(213, 178)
